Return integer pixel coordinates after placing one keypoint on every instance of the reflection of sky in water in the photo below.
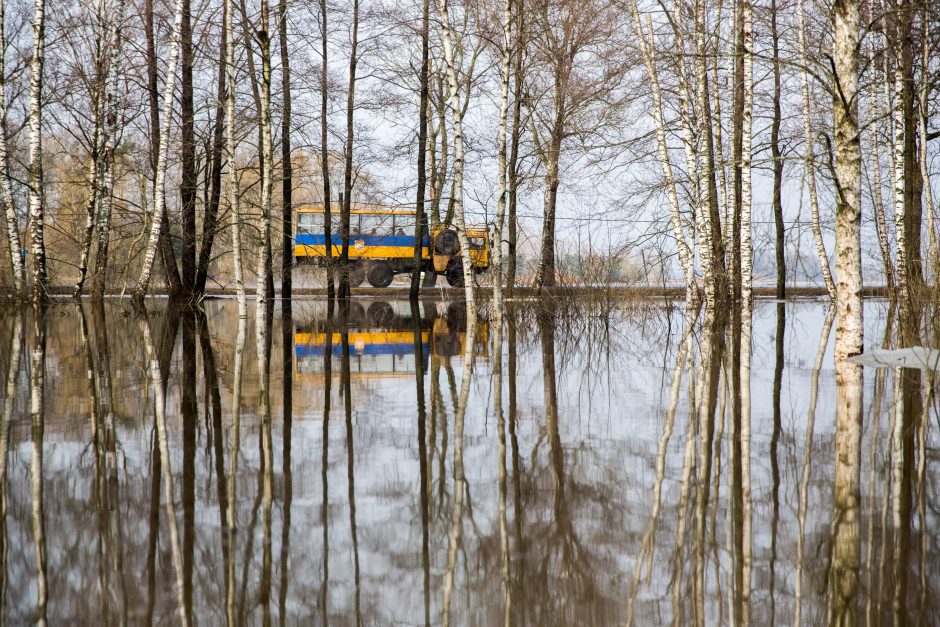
(580, 486)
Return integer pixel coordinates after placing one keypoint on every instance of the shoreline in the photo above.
(527, 293)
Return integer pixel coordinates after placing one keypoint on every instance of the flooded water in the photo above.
(338, 467)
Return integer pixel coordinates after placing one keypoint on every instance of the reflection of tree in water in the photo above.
(579, 501)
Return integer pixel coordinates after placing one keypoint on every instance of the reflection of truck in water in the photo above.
(382, 242)
(381, 338)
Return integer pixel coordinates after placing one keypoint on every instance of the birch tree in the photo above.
(648, 51)
(6, 189)
(809, 153)
(36, 194)
(849, 329)
(267, 159)
(230, 145)
(159, 189)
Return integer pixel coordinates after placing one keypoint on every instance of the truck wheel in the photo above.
(455, 274)
(356, 275)
(380, 275)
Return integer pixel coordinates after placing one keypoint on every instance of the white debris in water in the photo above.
(919, 357)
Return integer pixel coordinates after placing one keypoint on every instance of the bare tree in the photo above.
(810, 153)
(36, 194)
(6, 189)
(574, 46)
(159, 189)
(287, 172)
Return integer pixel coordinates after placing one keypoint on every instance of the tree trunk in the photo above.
(737, 149)
(263, 286)
(36, 192)
(713, 248)
(512, 225)
(849, 329)
(776, 155)
(97, 97)
(347, 171)
(99, 277)
(325, 155)
(210, 223)
(497, 250)
(188, 182)
(678, 232)
(167, 256)
(933, 250)
(159, 188)
(421, 221)
(453, 103)
(6, 189)
(287, 181)
(877, 112)
(545, 271)
(231, 163)
(809, 151)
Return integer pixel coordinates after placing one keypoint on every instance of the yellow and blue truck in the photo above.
(382, 242)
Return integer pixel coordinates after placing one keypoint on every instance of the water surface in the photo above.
(306, 467)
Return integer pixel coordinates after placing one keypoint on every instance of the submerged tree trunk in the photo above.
(347, 170)
(325, 155)
(881, 225)
(210, 224)
(99, 277)
(776, 155)
(187, 156)
(287, 173)
(263, 275)
(97, 97)
(421, 222)
(167, 256)
(159, 188)
(453, 103)
(678, 232)
(512, 226)
(233, 191)
(6, 189)
(497, 251)
(809, 151)
(713, 246)
(843, 586)
(36, 193)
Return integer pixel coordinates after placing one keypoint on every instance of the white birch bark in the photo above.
(746, 302)
(6, 188)
(36, 196)
(233, 191)
(896, 102)
(647, 48)
(849, 330)
(159, 188)
(267, 163)
(705, 227)
(810, 154)
(453, 103)
(881, 225)
(105, 203)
